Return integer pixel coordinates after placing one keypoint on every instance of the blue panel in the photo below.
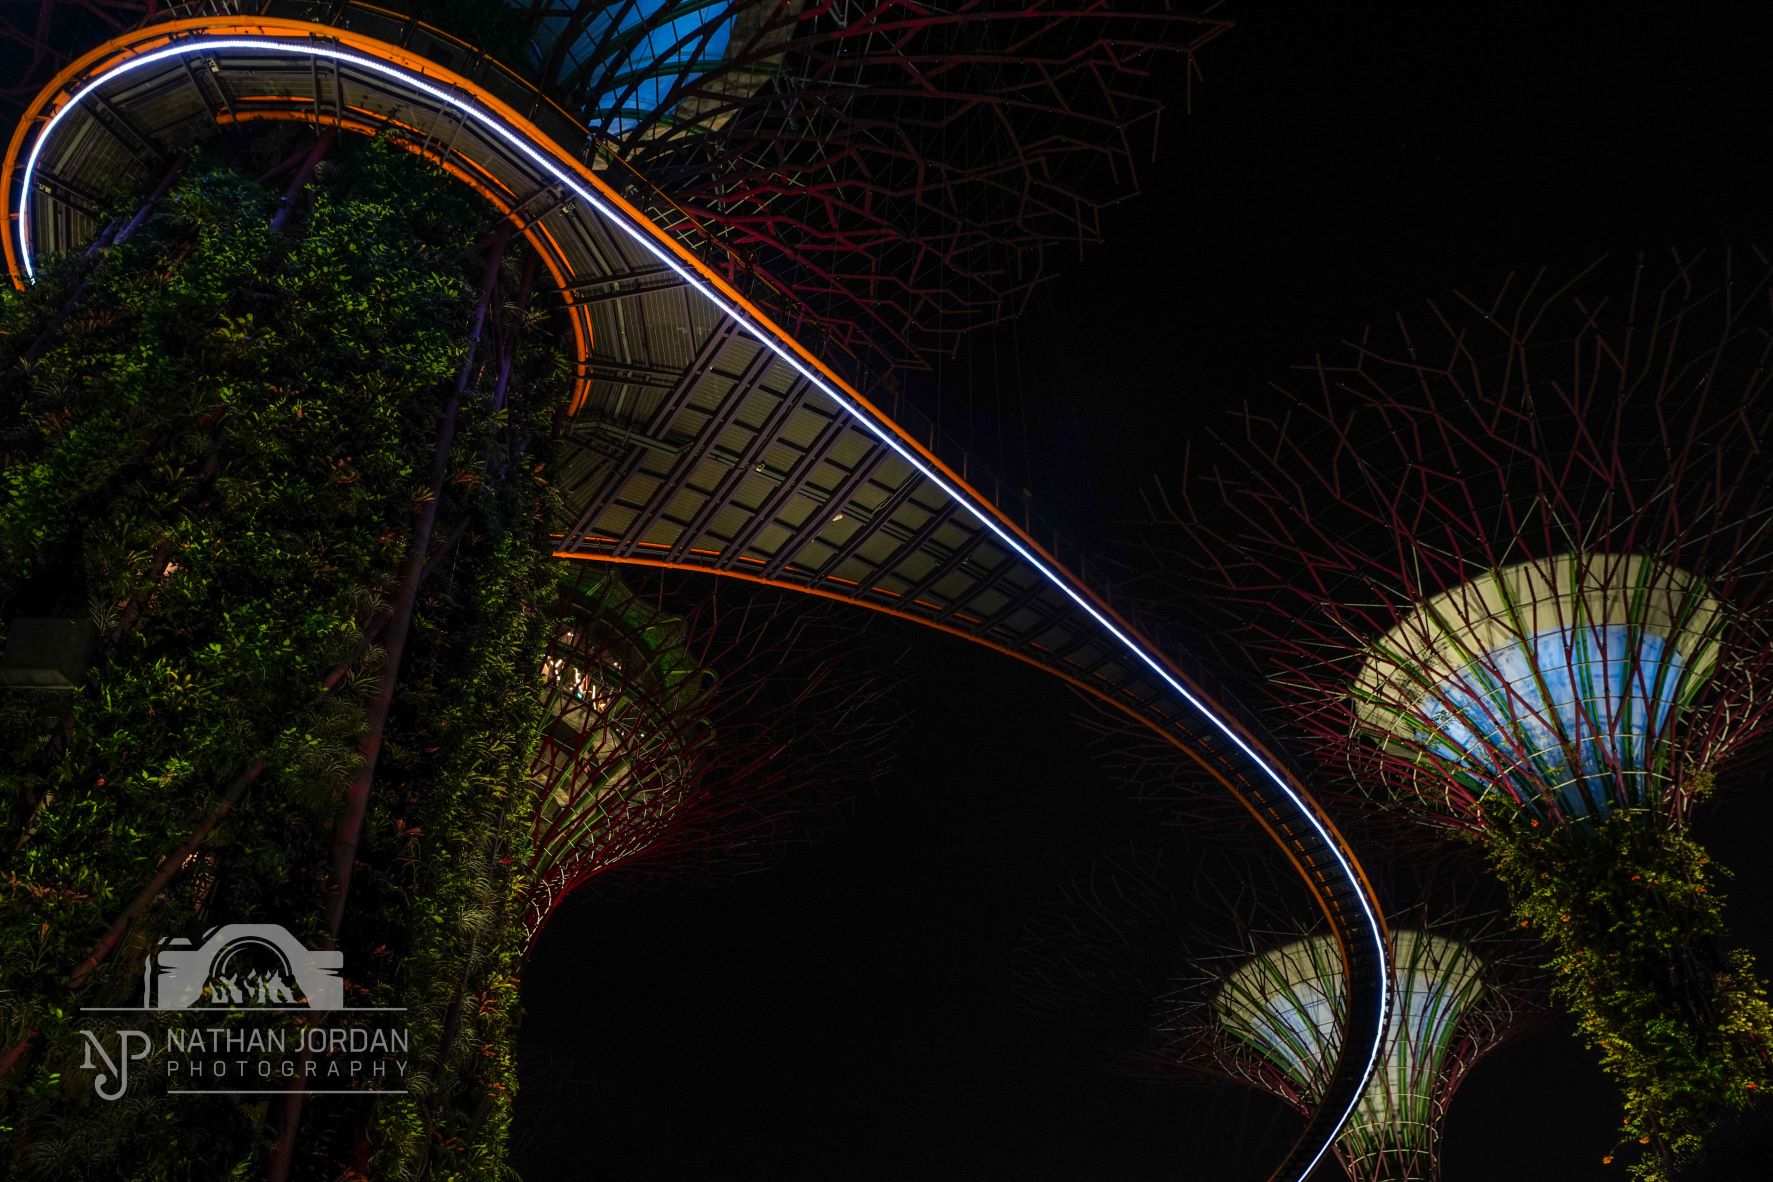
(1578, 716)
(636, 52)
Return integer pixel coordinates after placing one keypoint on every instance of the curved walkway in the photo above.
(704, 434)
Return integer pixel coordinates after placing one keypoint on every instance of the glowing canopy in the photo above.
(1286, 1005)
(1556, 684)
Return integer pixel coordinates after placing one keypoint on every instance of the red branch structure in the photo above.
(677, 743)
(1517, 551)
(38, 39)
(907, 172)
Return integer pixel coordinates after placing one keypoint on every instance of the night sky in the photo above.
(849, 1014)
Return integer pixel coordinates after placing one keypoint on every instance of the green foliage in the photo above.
(452, 897)
(1632, 915)
(216, 456)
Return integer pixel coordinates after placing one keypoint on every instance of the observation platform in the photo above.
(704, 434)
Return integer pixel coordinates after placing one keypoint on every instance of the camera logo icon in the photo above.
(243, 965)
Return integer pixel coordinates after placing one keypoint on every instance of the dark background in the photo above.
(849, 1014)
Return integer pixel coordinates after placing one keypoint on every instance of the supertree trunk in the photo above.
(254, 490)
(350, 823)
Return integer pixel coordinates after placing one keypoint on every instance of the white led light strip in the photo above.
(491, 123)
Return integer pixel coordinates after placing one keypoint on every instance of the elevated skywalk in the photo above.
(703, 434)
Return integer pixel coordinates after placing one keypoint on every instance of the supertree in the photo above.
(904, 173)
(1276, 1020)
(684, 743)
(276, 611)
(1508, 564)
(907, 170)
(1129, 964)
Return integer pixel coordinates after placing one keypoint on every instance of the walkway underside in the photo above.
(703, 435)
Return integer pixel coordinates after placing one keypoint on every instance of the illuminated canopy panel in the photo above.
(1286, 1005)
(1555, 685)
(623, 737)
(703, 435)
